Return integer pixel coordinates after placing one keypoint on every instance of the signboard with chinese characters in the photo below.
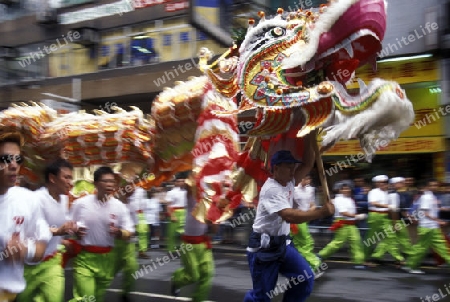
(147, 3)
(176, 6)
(169, 5)
(119, 8)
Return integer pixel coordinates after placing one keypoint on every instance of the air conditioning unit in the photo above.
(8, 53)
(48, 16)
(10, 3)
(88, 36)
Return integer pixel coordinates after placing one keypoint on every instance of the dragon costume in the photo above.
(288, 75)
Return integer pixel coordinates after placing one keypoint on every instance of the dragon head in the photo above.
(283, 57)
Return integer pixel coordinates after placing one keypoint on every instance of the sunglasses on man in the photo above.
(9, 158)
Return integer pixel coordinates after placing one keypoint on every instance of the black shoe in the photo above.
(174, 291)
(143, 255)
(125, 298)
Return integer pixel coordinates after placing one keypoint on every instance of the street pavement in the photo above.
(340, 283)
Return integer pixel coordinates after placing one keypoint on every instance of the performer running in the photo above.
(24, 233)
(105, 219)
(401, 200)
(125, 250)
(301, 237)
(345, 228)
(177, 200)
(380, 223)
(430, 230)
(45, 280)
(270, 250)
(138, 203)
(198, 263)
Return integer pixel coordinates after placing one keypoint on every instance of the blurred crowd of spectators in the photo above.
(236, 229)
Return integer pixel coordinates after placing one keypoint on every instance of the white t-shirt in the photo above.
(132, 211)
(344, 204)
(379, 196)
(54, 214)
(97, 217)
(429, 203)
(137, 204)
(303, 197)
(394, 199)
(19, 212)
(272, 199)
(177, 198)
(193, 227)
(152, 210)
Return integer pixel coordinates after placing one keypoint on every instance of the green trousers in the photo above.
(175, 228)
(390, 243)
(198, 267)
(142, 230)
(380, 236)
(304, 243)
(429, 238)
(403, 239)
(346, 233)
(125, 260)
(45, 282)
(92, 275)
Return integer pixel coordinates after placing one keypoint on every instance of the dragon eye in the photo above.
(277, 32)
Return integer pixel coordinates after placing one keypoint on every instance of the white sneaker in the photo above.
(416, 271)
(318, 275)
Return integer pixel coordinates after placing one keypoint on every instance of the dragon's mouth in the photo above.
(353, 40)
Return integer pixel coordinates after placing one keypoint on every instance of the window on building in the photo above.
(7, 75)
(184, 37)
(167, 40)
(31, 64)
(143, 51)
(201, 36)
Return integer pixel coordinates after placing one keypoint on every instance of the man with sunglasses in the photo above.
(105, 219)
(24, 233)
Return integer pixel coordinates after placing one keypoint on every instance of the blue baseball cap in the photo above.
(283, 156)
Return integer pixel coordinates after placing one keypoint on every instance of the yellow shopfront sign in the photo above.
(425, 135)
(402, 72)
(400, 146)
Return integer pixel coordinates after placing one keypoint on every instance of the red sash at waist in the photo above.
(294, 228)
(177, 208)
(197, 240)
(97, 249)
(173, 209)
(381, 212)
(48, 257)
(340, 223)
(73, 248)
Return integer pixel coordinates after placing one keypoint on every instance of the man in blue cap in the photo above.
(270, 250)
